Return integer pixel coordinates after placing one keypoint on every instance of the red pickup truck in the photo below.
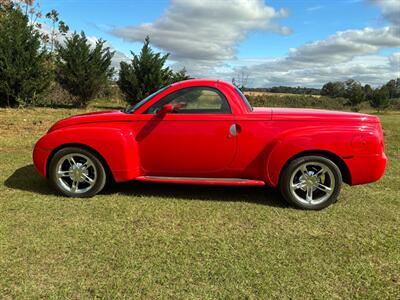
(206, 132)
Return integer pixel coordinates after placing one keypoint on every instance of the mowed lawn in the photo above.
(181, 242)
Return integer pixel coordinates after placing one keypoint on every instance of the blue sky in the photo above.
(220, 38)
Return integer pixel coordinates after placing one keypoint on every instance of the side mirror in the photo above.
(166, 109)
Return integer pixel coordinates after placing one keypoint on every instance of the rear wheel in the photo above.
(311, 182)
(77, 172)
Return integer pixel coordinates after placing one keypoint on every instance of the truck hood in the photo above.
(300, 114)
(97, 117)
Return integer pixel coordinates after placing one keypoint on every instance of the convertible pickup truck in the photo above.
(206, 132)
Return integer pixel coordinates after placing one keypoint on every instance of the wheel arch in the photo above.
(116, 146)
(86, 147)
(344, 170)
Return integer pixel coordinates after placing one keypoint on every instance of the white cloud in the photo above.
(205, 32)
(314, 8)
(343, 46)
(390, 10)
(347, 54)
(372, 69)
(202, 36)
(394, 61)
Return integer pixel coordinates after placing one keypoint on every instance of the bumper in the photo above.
(366, 169)
(40, 156)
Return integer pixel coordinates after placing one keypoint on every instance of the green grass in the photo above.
(177, 241)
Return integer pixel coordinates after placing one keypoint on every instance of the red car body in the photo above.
(203, 148)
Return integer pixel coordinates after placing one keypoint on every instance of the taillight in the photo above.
(381, 136)
(369, 142)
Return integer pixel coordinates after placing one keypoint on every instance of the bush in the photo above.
(81, 69)
(57, 96)
(394, 104)
(380, 98)
(24, 66)
(110, 91)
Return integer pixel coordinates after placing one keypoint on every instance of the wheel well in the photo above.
(105, 164)
(344, 170)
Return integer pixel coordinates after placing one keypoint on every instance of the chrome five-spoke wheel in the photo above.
(311, 182)
(77, 172)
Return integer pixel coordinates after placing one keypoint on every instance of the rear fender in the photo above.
(291, 143)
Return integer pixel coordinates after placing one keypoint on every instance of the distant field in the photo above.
(276, 94)
(297, 100)
(266, 99)
(151, 241)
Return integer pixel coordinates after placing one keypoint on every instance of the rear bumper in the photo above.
(366, 169)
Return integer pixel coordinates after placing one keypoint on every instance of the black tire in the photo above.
(295, 197)
(97, 168)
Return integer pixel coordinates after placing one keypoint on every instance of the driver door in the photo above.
(194, 140)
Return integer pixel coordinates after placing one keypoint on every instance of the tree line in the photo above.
(351, 90)
(34, 59)
(356, 93)
(31, 59)
(287, 90)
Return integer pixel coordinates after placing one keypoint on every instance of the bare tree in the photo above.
(241, 79)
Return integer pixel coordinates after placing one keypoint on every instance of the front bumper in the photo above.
(40, 156)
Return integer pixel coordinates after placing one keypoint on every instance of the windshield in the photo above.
(245, 99)
(134, 107)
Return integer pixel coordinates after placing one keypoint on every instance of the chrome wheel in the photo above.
(312, 183)
(76, 173)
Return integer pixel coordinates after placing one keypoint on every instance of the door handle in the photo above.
(233, 130)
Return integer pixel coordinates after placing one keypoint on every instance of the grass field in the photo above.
(177, 241)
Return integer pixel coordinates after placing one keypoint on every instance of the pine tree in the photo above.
(81, 69)
(24, 72)
(180, 76)
(144, 75)
(368, 90)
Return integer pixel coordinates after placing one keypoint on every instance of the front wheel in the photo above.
(77, 172)
(311, 182)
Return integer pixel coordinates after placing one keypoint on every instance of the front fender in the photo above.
(117, 146)
(296, 141)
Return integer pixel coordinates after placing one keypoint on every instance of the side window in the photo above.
(194, 100)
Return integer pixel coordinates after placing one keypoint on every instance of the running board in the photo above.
(201, 180)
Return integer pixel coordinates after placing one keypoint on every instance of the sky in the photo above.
(285, 42)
